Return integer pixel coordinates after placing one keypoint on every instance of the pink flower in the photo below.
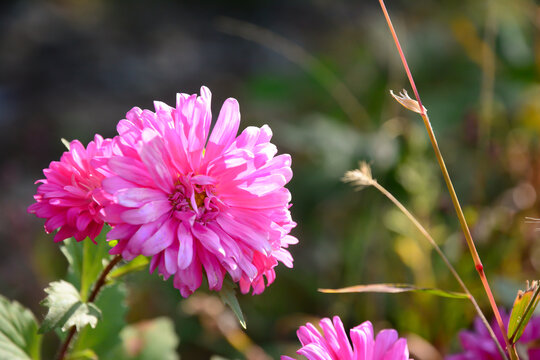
(70, 197)
(334, 343)
(194, 201)
(479, 345)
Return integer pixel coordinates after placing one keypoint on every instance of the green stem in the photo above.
(97, 288)
(464, 227)
(309, 63)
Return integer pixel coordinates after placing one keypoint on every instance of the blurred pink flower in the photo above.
(194, 201)
(70, 197)
(334, 343)
(478, 345)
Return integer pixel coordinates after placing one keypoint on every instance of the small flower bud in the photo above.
(404, 99)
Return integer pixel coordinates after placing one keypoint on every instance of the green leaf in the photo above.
(66, 308)
(136, 264)
(524, 306)
(228, 296)
(106, 335)
(147, 340)
(86, 261)
(19, 339)
(395, 288)
(73, 251)
(86, 354)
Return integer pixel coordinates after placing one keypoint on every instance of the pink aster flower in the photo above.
(334, 344)
(197, 202)
(478, 345)
(70, 196)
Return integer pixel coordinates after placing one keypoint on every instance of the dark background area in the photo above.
(70, 69)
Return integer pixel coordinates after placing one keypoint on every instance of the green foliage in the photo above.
(86, 354)
(228, 296)
(524, 306)
(147, 340)
(86, 261)
(66, 309)
(106, 335)
(136, 264)
(395, 288)
(19, 339)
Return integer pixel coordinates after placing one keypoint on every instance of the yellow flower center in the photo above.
(199, 198)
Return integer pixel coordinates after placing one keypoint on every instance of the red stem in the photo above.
(472, 248)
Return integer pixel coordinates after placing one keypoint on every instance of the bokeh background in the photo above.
(319, 73)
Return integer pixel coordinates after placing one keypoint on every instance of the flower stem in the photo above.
(464, 227)
(97, 288)
(424, 232)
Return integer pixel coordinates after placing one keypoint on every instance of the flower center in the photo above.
(190, 196)
(199, 198)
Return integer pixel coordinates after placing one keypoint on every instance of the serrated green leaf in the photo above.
(228, 296)
(524, 306)
(66, 308)
(86, 261)
(19, 339)
(395, 288)
(106, 335)
(136, 264)
(147, 340)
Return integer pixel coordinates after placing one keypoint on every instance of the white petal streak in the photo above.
(147, 213)
(185, 253)
(136, 197)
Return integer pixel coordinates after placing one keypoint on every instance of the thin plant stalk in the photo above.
(464, 227)
(97, 288)
(308, 62)
(362, 177)
(450, 267)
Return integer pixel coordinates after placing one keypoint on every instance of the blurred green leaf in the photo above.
(395, 288)
(66, 308)
(106, 335)
(147, 340)
(86, 261)
(524, 306)
(85, 354)
(18, 332)
(136, 264)
(228, 296)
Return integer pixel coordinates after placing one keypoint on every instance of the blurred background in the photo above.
(319, 73)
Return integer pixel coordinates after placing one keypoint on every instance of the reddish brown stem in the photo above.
(465, 228)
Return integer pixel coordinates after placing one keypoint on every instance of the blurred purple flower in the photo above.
(334, 343)
(478, 345)
(70, 197)
(196, 201)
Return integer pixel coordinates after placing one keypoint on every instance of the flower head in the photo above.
(70, 196)
(196, 201)
(334, 344)
(479, 345)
